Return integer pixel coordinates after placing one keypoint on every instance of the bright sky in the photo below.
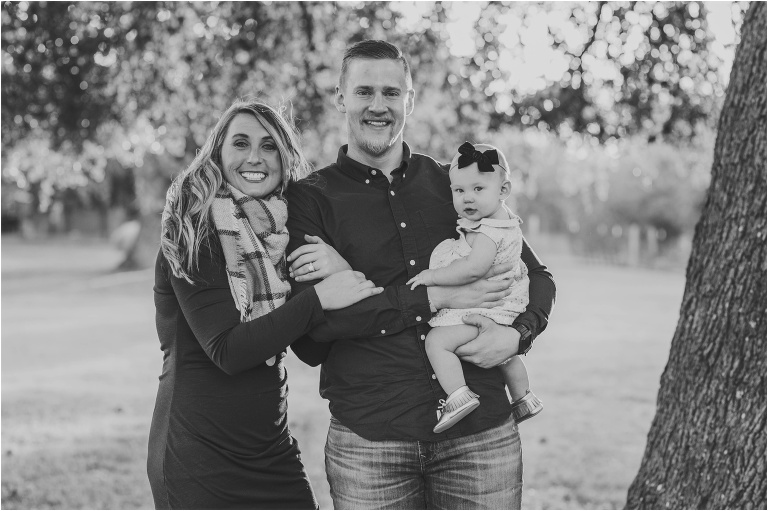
(529, 69)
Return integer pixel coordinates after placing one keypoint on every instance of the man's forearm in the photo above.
(392, 311)
(541, 293)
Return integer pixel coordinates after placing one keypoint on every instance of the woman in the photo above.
(219, 435)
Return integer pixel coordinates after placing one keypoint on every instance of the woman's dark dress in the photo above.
(219, 435)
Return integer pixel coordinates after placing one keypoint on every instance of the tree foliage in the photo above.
(137, 86)
(626, 68)
(617, 68)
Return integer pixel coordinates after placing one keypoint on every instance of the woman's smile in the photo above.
(254, 177)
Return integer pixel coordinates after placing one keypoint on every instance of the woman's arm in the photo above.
(210, 311)
(310, 352)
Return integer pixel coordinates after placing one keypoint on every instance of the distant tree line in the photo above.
(103, 102)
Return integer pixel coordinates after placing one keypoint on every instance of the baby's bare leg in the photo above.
(516, 377)
(441, 342)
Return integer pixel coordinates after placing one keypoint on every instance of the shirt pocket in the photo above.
(439, 223)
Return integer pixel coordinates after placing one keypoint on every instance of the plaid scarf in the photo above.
(253, 236)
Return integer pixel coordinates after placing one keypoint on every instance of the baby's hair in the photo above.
(502, 166)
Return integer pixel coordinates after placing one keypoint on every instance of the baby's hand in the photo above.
(425, 278)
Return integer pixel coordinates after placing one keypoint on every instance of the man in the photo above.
(384, 209)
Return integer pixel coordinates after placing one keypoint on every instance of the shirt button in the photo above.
(373, 172)
(383, 331)
(392, 193)
(413, 263)
(367, 181)
(434, 377)
(402, 224)
(423, 337)
(418, 318)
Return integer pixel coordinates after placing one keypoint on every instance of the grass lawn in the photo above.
(80, 360)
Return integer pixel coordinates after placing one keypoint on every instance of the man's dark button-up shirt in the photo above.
(376, 376)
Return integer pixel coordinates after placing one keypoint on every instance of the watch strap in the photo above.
(526, 338)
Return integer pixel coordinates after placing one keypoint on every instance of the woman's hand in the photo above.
(316, 260)
(345, 288)
(482, 293)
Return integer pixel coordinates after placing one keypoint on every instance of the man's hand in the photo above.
(481, 293)
(492, 346)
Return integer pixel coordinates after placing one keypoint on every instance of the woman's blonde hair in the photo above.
(186, 218)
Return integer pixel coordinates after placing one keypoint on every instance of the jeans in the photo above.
(480, 471)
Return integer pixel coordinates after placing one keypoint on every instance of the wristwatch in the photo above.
(526, 339)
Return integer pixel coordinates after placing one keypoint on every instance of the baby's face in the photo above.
(477, 194)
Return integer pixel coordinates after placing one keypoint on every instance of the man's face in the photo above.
(376, 100)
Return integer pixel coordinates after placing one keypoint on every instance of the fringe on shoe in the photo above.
(526, 407)
(455, 403)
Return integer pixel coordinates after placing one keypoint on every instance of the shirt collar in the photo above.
(361, 172)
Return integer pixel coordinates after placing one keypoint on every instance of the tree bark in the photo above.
(707, 444)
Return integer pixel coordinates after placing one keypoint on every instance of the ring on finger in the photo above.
(311, 267)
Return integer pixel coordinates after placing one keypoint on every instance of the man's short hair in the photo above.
(374, 49)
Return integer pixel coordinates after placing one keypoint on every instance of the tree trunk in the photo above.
(143, 252)
(707, 444)
(152, 181)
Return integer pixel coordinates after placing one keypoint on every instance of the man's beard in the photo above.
(378, 147)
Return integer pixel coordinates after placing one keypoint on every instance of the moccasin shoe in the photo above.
(458, 406)
(526, 407)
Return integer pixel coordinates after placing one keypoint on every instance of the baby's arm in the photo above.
(461, 271)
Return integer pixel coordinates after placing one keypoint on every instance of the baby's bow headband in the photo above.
(485, 160)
